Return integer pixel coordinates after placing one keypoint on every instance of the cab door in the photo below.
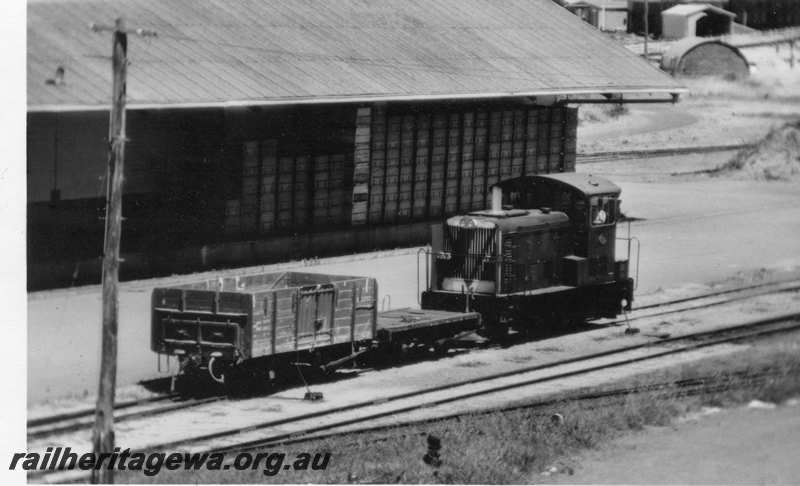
(602, 237)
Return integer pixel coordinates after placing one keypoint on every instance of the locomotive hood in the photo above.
(510, 220)
(587, 184)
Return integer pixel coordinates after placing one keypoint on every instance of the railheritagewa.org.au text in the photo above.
(269, 463)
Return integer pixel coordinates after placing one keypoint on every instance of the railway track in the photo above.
(606, 397)
(358, 416)
(600, 157)
(133, 409)
(703, 301)
(42, 427)
(52, 419)
(438, 396)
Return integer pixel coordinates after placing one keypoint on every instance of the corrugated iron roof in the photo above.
(600, 4)
(685, 10)
(242, 52)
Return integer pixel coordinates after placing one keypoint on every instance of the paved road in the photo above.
(741, 446)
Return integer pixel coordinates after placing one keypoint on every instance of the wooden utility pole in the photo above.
(646, 28)
(103, 435)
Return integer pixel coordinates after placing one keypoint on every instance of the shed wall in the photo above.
(211, 188)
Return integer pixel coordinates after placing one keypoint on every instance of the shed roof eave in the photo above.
(617, 92)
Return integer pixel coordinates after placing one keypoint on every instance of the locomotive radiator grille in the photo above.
(471, 252)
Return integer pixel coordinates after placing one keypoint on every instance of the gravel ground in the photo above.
(691, 122)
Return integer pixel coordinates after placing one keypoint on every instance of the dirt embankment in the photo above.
(776, 157)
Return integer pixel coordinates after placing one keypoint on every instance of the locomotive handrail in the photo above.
(426, 250)
(638, 252)
(383, 302)
(632, 239)
(449, 254)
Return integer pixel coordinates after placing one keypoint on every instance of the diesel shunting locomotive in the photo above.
(542, 256)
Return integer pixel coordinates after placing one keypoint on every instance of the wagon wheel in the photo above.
(497, 331)
(217, 370)
(440, 349)
(235, 380)
(189, 384)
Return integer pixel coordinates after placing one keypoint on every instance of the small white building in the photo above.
(606, 15)
(695, 20)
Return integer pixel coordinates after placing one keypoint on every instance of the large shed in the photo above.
(270, 130)
(695, 57)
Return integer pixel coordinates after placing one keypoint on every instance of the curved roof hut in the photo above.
(696, 57)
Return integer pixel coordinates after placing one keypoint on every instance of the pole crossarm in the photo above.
(115, 28)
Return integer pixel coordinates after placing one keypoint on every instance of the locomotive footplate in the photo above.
(562, 302)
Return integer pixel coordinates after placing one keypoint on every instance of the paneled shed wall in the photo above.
(285, 190)
(220, 188)
(407, 164)
(421, 165)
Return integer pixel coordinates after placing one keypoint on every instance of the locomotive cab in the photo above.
(593, 206)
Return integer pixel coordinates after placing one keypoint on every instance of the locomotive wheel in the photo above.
(497, 332)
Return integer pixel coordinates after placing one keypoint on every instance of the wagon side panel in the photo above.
(265, 311)
(356, 305)
(285, 321)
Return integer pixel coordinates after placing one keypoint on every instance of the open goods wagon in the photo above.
(278, 317)
(238, 327)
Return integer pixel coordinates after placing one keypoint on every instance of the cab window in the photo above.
(603, 210)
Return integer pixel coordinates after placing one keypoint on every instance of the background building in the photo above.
(695, 57)
(757, 14)
(695, 20)
(265, 131)
(606, 15)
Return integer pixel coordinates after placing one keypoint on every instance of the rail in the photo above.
(601, 157)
